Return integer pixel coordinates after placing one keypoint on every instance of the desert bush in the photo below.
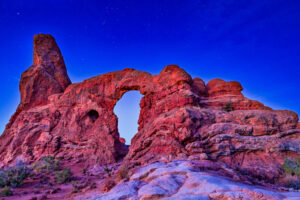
(294, 184)
(292, 173)
(77, 186)
(6, 192)
(291, 167)
(64, 176)
(108, 171)
(48, 163)
(290, 181)
(297, 161)
(108, 184)
(297, 171)
(288, 166)
(14, 176)
(228, 107)
(123, 172)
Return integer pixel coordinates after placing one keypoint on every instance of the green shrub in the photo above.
(228, 107)
(3, 178)
(107, 170)
(297, 161)
(291, 167)
(78, 186)
(288, 166)
(64, 176)
(292, 173)
(6, 192)
(297, 171)
(48, 163)
(14, 176)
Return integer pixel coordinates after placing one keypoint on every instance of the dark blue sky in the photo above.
(254, 42)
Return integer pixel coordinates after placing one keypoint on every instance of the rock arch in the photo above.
(179, 117)
(79, 104)
(127, 110)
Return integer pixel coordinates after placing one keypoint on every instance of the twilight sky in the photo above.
(255, 42)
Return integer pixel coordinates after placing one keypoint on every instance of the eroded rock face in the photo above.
(180, 117)
(183, 180)
(47, 76)
(221, 94)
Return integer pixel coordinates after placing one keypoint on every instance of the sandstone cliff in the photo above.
(180, 117)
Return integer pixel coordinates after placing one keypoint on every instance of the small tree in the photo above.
(228, 107)
(6, 192)
(14, 176)
(291, 167)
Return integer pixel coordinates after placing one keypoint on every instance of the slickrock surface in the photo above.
(180, 117)
(182, 180)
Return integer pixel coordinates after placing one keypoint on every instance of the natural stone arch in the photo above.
(180, 117)
(127, 110)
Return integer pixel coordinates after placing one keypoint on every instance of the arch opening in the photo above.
(127, 110)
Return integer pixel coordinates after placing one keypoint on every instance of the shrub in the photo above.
(3, 179)
(6, 192)
(75, 186)
(64, 176)
(228, 107)
(297, 171)
(292, 173)
(294, 184)
(107, 170)
(78, 186)
(123, 172)
(14, 176)
(48, 163)
(297, 161)
(291, 167)
(288, 166)
(108, 184)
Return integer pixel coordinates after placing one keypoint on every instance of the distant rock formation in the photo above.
(180, 117)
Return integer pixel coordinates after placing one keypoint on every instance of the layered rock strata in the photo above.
(180, 117)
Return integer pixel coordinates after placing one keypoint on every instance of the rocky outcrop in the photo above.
(180, 117)
(228, 95)
(183, 180)
(47, 76)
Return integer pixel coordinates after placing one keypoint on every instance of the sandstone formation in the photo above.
(180, 117)
(183, 180)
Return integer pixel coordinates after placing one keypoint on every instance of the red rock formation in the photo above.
(179, 117)
(122, 140)
(47, 76)
(221, 94)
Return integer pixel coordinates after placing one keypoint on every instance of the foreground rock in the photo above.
(183, 180)
(180, 117)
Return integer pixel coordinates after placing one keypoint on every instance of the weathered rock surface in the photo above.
(183, 180)
(180, 117)
(220, 93)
